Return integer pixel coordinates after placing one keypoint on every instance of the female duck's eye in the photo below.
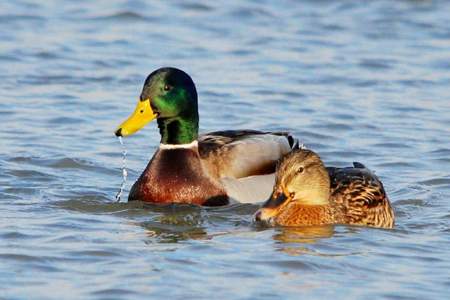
(300, 170)
(167, 87)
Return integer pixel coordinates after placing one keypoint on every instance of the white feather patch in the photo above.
(191, 145)
(255, 151)
(251, 189)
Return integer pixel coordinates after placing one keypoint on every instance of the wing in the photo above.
(361, 196)
(242, 153)
(251, 189)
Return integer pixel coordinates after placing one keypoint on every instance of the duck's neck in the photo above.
(317, 192)
(319, 196)
(178, 130)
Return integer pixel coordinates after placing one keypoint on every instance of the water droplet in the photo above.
(124, 170)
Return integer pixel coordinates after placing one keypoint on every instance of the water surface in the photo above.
(360, 81)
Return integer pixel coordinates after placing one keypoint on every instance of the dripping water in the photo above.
(124, 170)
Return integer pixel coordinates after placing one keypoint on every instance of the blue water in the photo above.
(361, 81)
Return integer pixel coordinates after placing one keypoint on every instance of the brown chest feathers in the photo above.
(306, 215)
(343, 211)
(177, 176)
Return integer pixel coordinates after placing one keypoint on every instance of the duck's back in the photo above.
(244, 160)
(361, 197)
(243, 153)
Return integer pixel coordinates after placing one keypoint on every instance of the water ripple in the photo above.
(354, 81)
(122, 16)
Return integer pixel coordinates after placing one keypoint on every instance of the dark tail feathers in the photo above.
(358, 165)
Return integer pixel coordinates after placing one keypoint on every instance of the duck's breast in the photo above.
(177, 176)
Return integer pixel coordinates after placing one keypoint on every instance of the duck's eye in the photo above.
(300, 170)
(291, 195)
(167, 87)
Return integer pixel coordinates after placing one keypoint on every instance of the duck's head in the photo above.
(169, 95)
(301, 179)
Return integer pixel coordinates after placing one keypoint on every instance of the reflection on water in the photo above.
(173, 234)
(353, 80)
(293, 241)
(171, 224)
(307, 234)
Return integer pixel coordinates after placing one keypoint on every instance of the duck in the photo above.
(306, 193)
(208, 169)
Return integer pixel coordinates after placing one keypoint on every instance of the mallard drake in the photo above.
(206, 169)
(307, 193)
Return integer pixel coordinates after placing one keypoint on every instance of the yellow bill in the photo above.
(142, 115)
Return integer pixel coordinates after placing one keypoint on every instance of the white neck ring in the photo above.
(193, 144)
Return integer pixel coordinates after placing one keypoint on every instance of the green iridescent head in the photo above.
(168, 94)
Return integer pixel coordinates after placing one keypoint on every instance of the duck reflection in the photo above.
(295, 240)
(174, 223)
(306, 235)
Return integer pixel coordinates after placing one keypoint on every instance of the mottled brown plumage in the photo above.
(307, 193)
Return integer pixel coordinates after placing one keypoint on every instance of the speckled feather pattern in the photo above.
(356, 195)
(361, 196)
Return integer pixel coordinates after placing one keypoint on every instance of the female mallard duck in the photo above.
(204, 170)
(307, 193)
